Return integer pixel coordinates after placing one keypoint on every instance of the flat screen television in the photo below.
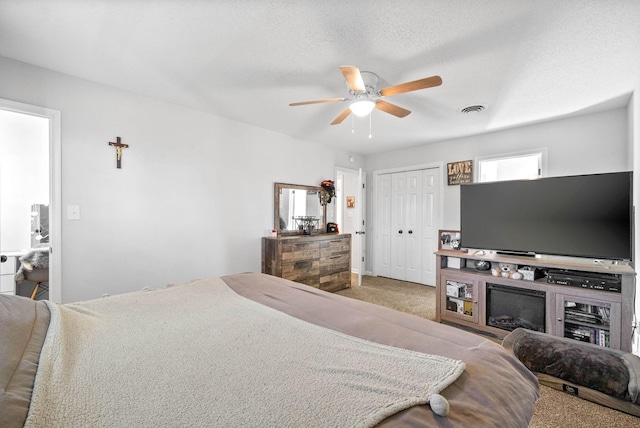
(579, 216)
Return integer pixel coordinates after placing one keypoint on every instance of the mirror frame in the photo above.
(277, 189)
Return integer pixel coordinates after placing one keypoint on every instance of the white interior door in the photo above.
(398, 225)
(383, 225)
(413, 227)
(431, 185)
(407, 222)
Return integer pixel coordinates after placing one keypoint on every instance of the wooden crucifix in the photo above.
(119, 146)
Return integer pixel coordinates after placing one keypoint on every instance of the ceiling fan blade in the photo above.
(329, 100)
(392, 109)
(353, 77)
(342, 116)
(427, 82)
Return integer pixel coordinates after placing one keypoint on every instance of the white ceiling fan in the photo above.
(364, 96)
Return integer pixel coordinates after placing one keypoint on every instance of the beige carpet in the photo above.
(553, 409)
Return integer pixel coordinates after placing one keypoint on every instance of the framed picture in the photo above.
(351, 201)
(449, 240)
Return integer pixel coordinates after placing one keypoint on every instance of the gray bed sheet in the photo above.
(23, 328)
(496, 389)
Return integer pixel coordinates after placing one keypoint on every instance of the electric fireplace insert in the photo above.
(509, 308)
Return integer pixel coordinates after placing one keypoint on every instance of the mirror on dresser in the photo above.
(297, 209)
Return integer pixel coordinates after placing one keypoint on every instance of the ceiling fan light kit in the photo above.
(364, 97)
(361, 107)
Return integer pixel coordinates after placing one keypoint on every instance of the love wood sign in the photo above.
(459, 172)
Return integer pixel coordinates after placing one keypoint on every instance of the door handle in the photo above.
(360, 232)
(400, 232)
(410, 232)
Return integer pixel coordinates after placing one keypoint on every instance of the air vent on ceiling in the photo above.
(473, 109)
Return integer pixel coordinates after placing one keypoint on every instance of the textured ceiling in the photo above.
(528, 61)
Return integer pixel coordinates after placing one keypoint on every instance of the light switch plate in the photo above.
(73, 212)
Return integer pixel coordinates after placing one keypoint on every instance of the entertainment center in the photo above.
(464, 297)
(551, 255)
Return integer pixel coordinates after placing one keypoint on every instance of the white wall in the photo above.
(192, 200)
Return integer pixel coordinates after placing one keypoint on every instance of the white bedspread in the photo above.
(201, 355)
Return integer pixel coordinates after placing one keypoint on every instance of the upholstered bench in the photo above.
(605, 376)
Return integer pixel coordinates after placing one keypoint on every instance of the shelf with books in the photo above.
(460, 298)
(588, 320)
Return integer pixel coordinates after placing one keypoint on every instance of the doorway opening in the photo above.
(350, 204)
(30, 194)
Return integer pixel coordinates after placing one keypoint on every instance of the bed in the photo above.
(249, 350)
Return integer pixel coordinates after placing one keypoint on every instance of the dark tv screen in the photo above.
(581, 216)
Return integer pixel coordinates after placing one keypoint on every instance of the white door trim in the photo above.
(55, 192)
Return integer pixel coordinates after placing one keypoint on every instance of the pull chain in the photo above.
(370, 135)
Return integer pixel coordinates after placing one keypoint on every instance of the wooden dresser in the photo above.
(322, 261)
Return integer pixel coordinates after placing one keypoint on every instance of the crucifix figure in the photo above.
(119, 146)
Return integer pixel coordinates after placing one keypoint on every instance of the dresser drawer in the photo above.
(336, 281)
(305, 271)
(294, 251)
(338, 245)
(335, 263)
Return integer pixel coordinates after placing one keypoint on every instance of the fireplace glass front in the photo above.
(509, 308)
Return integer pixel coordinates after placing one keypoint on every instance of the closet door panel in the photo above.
(431, 220)
(398, 223)
(383, 225)
(413, 226)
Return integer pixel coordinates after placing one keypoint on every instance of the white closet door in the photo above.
(408, 218)
(413, 226)
(398, 224)
(383, 225)
(431, 220)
